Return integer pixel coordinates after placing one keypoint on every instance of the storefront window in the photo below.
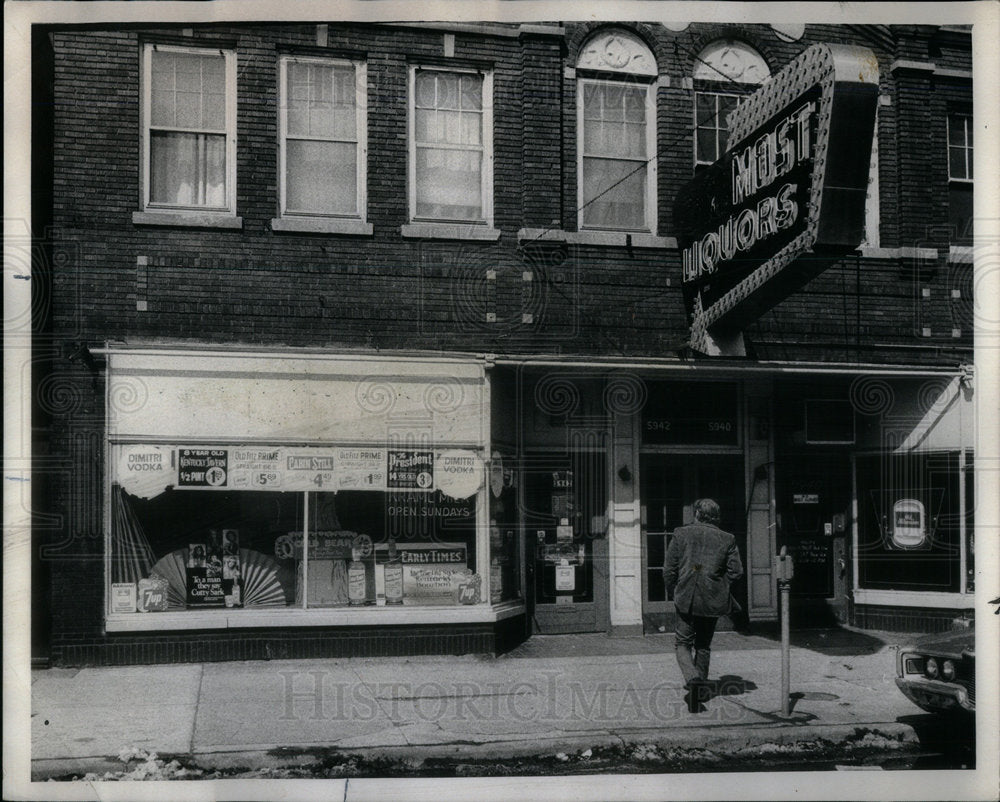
(202, 549)
(251, 527)
(909, 522)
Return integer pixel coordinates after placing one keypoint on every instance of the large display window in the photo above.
(244, 528)
(910, 521)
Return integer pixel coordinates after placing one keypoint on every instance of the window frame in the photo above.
(486, 177)
(228, 209)
(650, 212)
(966, 148)
(961, 188)
(360, 141)
(740, 98)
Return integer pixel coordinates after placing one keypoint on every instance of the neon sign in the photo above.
(795, 180)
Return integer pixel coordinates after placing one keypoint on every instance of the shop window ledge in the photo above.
(317, 617)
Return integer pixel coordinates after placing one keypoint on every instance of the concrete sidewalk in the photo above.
(555, 693)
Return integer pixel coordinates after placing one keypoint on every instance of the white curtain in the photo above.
(188, 169)
(614, 155)
(448, 114)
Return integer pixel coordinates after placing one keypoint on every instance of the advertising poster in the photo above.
(410, 470)
(202, 467)
(360, 468)
(152, 595)
(123, 597)
(204, 578)
(255, 468)
(458, 473)
(145, 471)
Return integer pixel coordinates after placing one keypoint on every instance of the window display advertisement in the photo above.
(251, 527)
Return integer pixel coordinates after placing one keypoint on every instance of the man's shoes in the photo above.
(699, 691)
(695, 695)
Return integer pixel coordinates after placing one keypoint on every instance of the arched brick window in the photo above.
(616, 133)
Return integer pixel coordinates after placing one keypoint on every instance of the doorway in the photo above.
(669, 485)
(565, 522)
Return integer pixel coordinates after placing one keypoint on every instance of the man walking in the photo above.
(700, 564)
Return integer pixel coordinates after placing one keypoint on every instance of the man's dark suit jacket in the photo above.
(701, 561)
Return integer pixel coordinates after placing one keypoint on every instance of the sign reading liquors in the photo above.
(794, 180)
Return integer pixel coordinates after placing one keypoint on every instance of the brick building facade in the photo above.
(474, 327)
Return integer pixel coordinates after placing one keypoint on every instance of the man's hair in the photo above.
(707, 511)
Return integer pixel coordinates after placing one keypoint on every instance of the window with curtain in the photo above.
(189, 128)
(960, 176)
(450, 146)
(322, 137)
(616, 155)
(616, 132)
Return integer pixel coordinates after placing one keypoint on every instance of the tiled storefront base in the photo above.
(904, 619)
(213, 645)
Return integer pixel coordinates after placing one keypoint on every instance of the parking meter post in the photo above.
(784, 570)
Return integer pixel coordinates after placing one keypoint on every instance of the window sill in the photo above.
(322, 225)
(616, 239)
(915, 598)
(319, 617)
(919, 254)
(450, 231)
(960, 254)
(187, 219)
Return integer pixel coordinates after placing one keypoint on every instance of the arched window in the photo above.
(616, 133)
(725, 72)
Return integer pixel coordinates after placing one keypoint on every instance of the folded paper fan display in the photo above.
(265, 582)
(131, 554)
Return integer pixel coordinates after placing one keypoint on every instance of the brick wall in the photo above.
(289, 643)
(259, 287)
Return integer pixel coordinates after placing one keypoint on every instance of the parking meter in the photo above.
(784, 567)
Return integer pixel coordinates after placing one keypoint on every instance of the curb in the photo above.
(781, 735)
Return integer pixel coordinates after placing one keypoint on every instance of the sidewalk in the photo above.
(552, 694)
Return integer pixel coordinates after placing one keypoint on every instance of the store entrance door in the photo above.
(814, 500)
(565, 523)
(669, 485)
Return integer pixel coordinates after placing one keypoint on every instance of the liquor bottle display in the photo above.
(393, 576)
(357, 584)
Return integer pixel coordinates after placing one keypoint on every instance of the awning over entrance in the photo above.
(947, 424)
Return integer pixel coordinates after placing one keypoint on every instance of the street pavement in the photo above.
(552, 694)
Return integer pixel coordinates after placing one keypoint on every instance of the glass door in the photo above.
(669, 485)
(565, 506)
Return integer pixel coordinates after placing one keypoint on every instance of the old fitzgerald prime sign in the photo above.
(786, 200)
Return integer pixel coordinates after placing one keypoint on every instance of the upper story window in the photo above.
(189, 129)
(711, 130)
(322, 137)
(725, 72)
(960, 175)
(616, 131)
(451, 146)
